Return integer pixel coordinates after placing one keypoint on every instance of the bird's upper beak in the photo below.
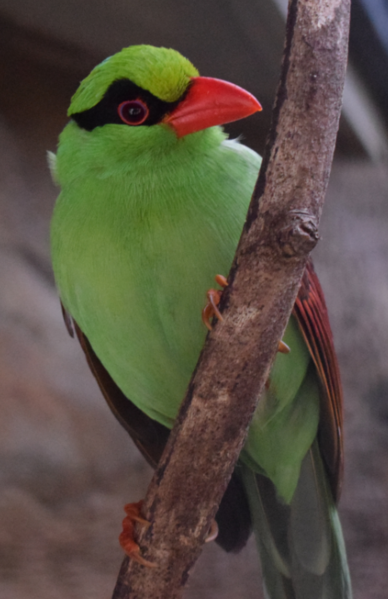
(210, 102)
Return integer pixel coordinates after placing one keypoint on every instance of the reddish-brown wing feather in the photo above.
(149, 436)
(311, 314)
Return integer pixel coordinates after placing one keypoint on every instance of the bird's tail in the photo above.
(301, 546)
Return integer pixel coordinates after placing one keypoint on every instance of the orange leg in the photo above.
(214, 297)
(126, 538)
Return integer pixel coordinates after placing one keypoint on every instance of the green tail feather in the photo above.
(301, 545)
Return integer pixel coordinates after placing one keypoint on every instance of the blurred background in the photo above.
(66, 466)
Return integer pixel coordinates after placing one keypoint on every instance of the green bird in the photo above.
(153, 201)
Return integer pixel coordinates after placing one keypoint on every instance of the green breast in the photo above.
(140, 229)
(135, 250)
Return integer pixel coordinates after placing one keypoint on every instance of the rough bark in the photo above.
(280, 231)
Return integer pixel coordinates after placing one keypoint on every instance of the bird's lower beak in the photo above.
(210, 102)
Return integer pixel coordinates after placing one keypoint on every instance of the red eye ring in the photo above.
(133, 112)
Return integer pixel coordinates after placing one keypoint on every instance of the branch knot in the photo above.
(299, 235)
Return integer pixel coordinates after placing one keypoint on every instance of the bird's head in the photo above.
(143, 85)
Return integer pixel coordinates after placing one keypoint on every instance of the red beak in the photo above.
(211, 102)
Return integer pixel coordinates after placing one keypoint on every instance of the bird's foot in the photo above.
(126, 538)
(211, 309)
(214, 298)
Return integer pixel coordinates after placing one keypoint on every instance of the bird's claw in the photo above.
(214, 297)
(126, 538)
(283, 348)
(213, 532)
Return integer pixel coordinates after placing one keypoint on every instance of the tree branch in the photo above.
(280, 231)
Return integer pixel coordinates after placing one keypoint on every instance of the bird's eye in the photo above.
(133, 112)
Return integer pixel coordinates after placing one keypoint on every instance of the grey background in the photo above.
(66, 467)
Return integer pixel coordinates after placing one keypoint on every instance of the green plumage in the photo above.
(143, 223)
(144, 248)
